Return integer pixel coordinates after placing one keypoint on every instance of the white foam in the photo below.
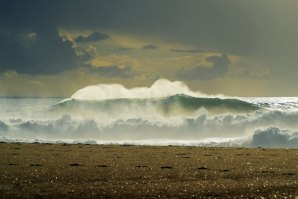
(161, 88)
(274, 137)
(251, 130)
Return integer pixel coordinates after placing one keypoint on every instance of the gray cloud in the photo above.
(113, 71)
(263, 31)
(188, 50)
(93, 37)
(150, 47)
(233, 26)
(35, 51)
(125, 49)
(219, 68)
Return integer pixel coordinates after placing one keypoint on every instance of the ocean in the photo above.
(167, 113)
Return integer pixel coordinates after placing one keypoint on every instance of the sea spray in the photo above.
(161, 88)
(149, 115)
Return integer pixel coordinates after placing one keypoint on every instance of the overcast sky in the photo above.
(233, 47)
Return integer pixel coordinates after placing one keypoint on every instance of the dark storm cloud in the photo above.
(93, 37)
(113, 71)
(261, 30)
(33, 51)
(29, 40)
(220, 25)
(230, 26)
(219, 68)
(150, 47)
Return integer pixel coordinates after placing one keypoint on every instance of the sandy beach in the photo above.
(113, 171)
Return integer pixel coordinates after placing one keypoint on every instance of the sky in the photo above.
(52, 48)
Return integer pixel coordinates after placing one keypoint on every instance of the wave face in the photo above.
(179, 105)
(115, 114)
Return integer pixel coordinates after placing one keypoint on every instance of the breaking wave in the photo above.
(161, 88)
(178, 105)
(274, 137)
(252, 130)
(114, 114)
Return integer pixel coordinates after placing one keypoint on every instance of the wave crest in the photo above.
(160, 88)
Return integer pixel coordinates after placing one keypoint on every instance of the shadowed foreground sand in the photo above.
(100, 171)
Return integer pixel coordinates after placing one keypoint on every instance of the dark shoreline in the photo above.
(128, 171)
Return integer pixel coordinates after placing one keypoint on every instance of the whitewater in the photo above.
(166, 113)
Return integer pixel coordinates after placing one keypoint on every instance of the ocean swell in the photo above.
(179, 105)
(149, 115)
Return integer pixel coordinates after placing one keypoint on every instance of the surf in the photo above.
(164, 113)
(177, 105)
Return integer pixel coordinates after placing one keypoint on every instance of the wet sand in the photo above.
(112, 171)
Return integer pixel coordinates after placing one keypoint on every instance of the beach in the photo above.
(126, 171)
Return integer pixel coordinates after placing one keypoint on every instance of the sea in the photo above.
(167, 113)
